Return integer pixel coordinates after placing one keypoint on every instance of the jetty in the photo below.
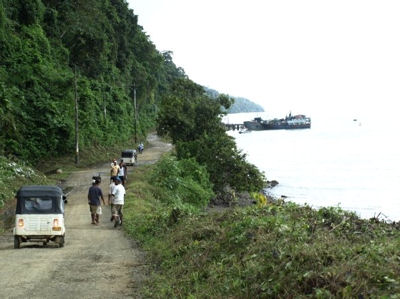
(234, 127)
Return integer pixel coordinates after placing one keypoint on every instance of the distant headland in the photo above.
(240, 105)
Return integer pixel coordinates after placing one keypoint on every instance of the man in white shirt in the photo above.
(110, 191)
(118, 200)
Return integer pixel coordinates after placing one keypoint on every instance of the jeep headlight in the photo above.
(20, 223)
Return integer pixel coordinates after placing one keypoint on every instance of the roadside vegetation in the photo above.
(14, 174)
(277, 250)
(193, 122)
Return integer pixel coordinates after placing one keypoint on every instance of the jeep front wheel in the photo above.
(17, 242)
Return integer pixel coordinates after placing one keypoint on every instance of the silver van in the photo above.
(129, 157)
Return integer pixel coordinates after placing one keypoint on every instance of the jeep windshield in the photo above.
(38, 205)
(129, 154)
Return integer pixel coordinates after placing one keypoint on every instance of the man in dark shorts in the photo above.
(94, 196)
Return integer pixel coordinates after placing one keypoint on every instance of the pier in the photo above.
(233, 127)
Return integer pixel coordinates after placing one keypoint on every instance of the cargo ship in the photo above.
(289, 122)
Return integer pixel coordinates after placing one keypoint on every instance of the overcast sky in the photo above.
(310, 56)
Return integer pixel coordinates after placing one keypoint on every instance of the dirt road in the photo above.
(96, 262)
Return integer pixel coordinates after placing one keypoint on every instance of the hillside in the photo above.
(244, 105)
(239, 105)
(53, 52)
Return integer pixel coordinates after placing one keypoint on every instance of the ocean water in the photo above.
(340, 161)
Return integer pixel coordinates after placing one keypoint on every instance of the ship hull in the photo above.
(254, 126)
(286, 127)
(288, 123)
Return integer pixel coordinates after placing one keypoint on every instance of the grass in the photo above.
(282, 250)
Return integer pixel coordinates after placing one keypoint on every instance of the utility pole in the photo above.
(134, 103)
(104, 101)
(76, 120)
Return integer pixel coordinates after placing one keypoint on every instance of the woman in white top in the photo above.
(122, 172)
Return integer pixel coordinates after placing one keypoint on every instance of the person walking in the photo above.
(114, 170)
(118, 200)
(112, 162)
(141, 147)
(110, 191)
(122, 172)
(94, 196)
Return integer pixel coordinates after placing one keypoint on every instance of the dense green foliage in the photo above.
(239, 104)
(182, 183)
(192, 120)
(281, 250)
(44, 44)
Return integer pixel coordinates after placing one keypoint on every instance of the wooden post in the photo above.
(134, 103)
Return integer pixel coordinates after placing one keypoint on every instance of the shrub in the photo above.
(13, 175)
(182, 182)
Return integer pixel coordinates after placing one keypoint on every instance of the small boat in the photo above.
(244, 131)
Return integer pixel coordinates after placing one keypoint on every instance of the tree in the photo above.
(193, 121)
(41, 42)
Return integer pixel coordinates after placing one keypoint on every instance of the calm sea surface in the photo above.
(340, 161)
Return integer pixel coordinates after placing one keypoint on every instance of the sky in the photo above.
(309, 56)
